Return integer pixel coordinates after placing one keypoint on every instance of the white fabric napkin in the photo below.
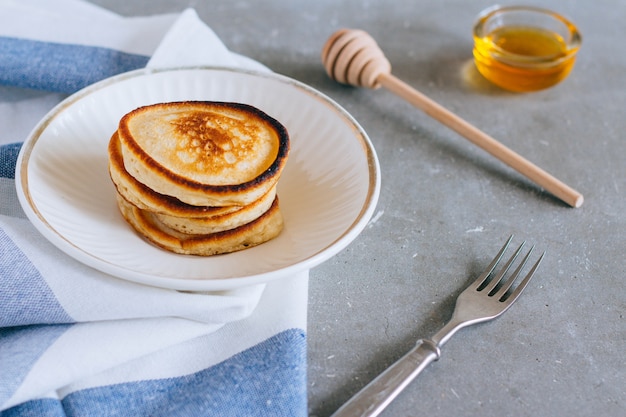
(74, 341)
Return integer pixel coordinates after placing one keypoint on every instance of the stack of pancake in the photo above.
(199, 178)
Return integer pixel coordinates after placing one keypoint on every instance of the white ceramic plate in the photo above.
(328, 190)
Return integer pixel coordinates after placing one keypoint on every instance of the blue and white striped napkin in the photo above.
(74, 341)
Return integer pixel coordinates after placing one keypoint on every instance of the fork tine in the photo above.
(496, 280)
(483, 277)
(518, 291)
(509, 283)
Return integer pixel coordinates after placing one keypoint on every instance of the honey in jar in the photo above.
(524, 49)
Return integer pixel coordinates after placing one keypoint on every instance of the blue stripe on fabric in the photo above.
(20, 347)
(25, 297)
(8, 159)
(268, 379)
(47, 407)
(64, 68)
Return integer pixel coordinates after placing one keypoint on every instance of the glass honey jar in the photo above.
(524, 49)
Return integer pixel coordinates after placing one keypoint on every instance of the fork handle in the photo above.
(377, 395)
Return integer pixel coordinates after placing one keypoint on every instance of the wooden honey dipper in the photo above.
(353, 57)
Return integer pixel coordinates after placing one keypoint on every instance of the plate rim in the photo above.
(193, 284)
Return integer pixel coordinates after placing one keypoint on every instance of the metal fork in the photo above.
(486, 298)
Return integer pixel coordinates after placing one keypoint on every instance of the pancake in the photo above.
(204, 153)
(146, 198)
(219, 222)
(260, 230)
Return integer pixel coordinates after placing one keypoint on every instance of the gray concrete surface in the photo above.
(446, 206)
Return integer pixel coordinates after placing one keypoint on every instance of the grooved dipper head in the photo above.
(351, 56)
